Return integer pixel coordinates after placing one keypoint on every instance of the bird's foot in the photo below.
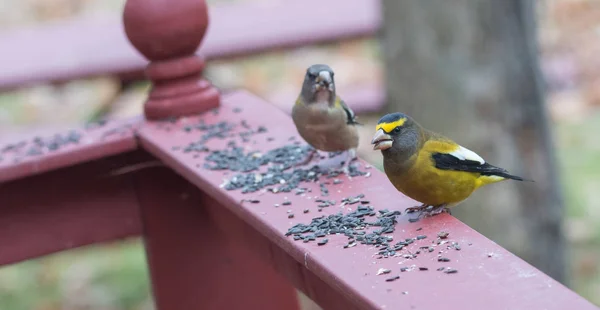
(346, 164)
(427, 211)
(334, 154)
(435, 210)
(308, 158)
(352, 155)
(415, 209)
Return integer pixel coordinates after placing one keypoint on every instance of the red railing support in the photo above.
(168, 33)
(193, 264)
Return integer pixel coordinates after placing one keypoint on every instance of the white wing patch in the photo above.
(464, 153)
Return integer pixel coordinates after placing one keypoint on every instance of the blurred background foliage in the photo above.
(114, 276)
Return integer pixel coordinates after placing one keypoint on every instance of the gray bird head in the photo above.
(397, 135)
(318, 84)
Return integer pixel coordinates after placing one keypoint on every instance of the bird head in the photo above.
(396, 132)
(318, 84)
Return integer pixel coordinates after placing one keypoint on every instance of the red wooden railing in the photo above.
(70, 47)
(210, 247)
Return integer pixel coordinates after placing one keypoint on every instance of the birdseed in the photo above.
(39, 146)
(443, 234)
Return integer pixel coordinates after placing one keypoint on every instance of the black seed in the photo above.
(420, 228)
(392, 279)
(305, 211)
(251, 200)
(286, 203)
(323, 242)
(443, 259)
(291, 215)
(451, 271)
(421, 237)
(403, 269)
(423, 268)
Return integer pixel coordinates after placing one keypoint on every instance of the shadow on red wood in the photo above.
(193, 264)
(67, 208)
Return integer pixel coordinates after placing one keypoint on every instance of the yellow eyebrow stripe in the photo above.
(388, 127)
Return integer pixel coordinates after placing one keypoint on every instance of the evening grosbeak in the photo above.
(321, 117)
(429, 167)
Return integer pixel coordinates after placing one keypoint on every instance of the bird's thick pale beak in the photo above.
(381, 140)
(324, 79)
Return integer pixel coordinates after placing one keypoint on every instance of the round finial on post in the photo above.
(168, 33)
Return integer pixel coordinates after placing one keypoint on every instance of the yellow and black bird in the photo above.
(429, 167)
(322, 118)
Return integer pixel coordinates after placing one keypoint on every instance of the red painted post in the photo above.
(193, 264)
(168, 33)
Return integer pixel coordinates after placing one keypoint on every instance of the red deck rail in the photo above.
(70, 47)
(212, 246)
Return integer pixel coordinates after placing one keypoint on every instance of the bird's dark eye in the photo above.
(396, 130)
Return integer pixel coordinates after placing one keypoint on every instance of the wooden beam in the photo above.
(76, 49)
(64, 209)
(488, 276)
(193, 264)
(27, 155)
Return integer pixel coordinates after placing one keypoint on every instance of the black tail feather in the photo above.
(449, 162)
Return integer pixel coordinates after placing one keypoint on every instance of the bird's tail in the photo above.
(499, 176)
(507, 175)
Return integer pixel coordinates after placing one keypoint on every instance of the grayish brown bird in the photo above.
(322, 118)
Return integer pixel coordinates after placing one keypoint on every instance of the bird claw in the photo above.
(415, 209)
(431, 210)
(428, 211)
(308, 158)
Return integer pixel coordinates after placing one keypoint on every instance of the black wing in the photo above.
(449, 162)
(349, 113)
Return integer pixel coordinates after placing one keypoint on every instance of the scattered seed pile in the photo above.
(38, 145)
(279, 177)
(234, 158)
(352, 225)
(364, 225)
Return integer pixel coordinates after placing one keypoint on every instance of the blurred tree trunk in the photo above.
(469, 69)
